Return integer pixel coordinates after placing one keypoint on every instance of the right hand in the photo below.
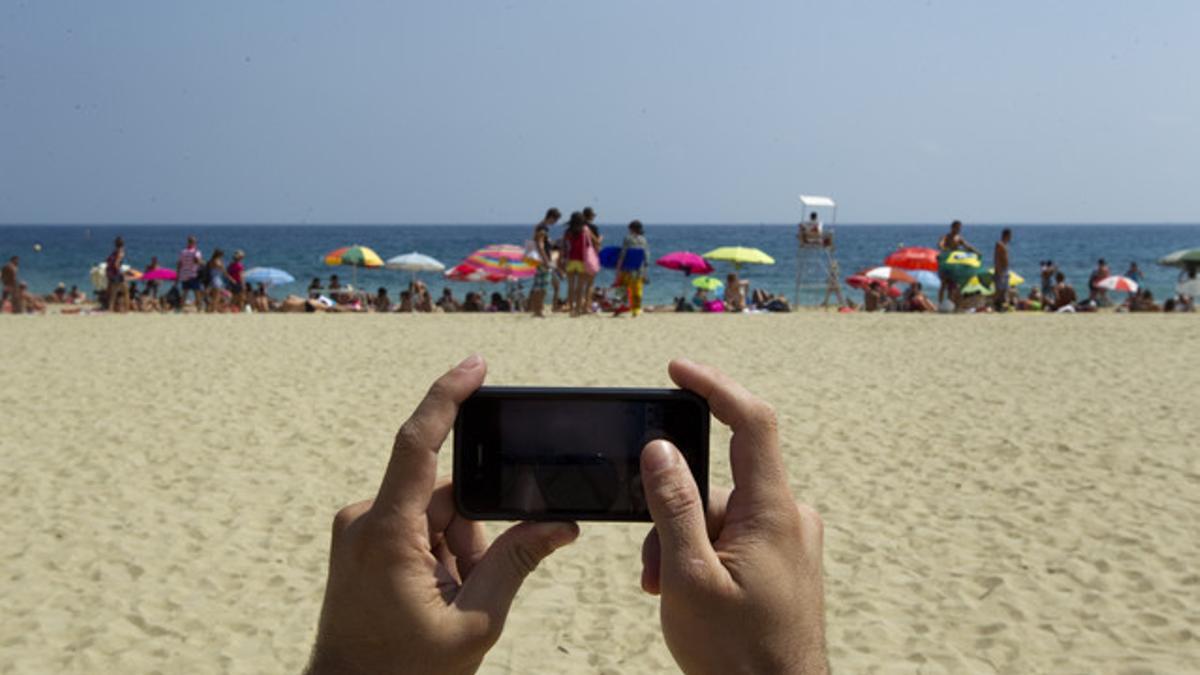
(741, 585)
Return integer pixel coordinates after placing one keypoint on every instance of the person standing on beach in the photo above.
(152, 285)
(117, 289)
(576, 242)
(11, 280)
(237, 284)
(952, 241)
(217, 282)
(1001, 267)
(1134, 274)
(634, 280)
(187, 271)
(540, 251)
(589, 220)
(1048, 270)
(1095, 293)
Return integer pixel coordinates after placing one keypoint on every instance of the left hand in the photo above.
(413, 587)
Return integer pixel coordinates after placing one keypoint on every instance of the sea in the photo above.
(53, 254)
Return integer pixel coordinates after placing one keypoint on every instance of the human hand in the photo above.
(413, 587)
(741, 585)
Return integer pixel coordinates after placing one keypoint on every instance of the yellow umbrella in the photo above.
(740, 255)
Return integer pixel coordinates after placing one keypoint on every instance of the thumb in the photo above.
(496, 578)
(678, 512)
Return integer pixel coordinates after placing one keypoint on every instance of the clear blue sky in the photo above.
(448, 112)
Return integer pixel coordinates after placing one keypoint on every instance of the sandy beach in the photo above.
(1012, 494)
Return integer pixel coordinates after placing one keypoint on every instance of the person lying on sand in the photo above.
(413, 587)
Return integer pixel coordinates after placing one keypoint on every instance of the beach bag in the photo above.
(591, 259)
(715, 306)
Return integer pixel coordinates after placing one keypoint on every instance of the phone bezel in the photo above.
(462, 463)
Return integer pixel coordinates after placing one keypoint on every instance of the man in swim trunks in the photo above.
(187, 271)
(541, 278)
(1002, 270)
(952, 241)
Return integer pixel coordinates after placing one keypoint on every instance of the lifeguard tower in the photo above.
(816, 259)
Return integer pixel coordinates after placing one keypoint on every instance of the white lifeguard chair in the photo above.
(816, 262)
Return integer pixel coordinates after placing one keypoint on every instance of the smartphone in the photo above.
(532, 453)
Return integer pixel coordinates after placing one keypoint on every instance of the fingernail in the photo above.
(471, 362)
(659, 456)
(561, 534)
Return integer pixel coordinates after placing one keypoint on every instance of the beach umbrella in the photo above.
(913, 258)
(859, 281)
(686, 262)
(1014, 279)
(708, 283)
(470, 273)
(926, 278)
(740, 255)
(1181, 258)
(159, 274)
(268, 276)
(355, 256)
(505, 260)
(890, 274)
(974, 285)
(1118, 283)
(415, 263)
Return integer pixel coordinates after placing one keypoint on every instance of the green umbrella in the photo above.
(707, 283)
(1188, 256)
(960, 266)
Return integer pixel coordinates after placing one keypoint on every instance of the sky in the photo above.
(672, 112)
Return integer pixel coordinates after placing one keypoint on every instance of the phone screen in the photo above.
(569, 453)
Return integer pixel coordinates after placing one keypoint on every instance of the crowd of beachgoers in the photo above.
(562, 268)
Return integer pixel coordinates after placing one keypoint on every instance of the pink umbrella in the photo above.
(1118, 283)
(686, 262)
(505, 260)
(160, 274)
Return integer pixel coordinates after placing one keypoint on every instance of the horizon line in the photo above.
(655, 224)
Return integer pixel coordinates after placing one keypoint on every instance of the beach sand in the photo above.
(1011, 494)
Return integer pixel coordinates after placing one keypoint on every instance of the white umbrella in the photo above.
(414, 262)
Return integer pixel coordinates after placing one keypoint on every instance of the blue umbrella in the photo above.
(270, 276)
(926, 278)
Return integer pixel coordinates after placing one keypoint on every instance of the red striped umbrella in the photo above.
(1118, 283)
(913, 258)
(891, 274)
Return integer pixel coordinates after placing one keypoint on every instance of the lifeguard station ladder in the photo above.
(816, 259)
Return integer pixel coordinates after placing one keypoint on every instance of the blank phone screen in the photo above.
(571, 457)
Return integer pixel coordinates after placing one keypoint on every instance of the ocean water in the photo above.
(67, 252)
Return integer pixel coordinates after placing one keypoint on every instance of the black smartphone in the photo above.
(532, 453)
